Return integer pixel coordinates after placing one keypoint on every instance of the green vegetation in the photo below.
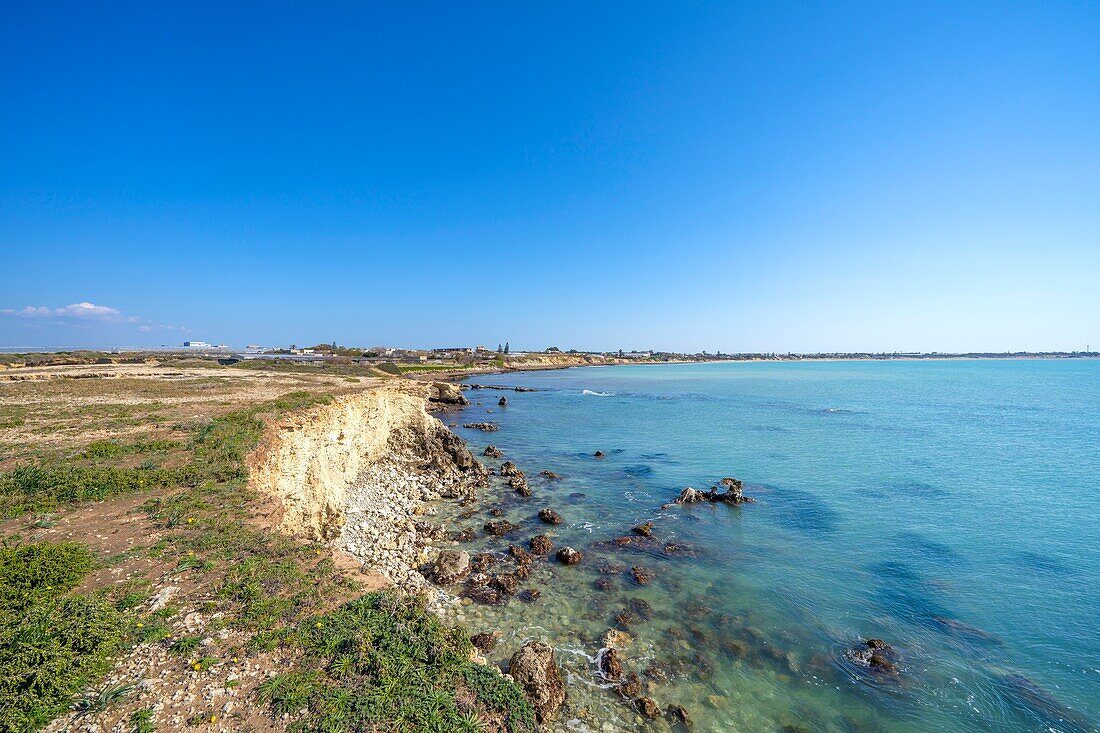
(383, 659)
(379, 662)
(52, 642)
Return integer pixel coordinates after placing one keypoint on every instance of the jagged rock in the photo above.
(482, 561)
(486, 427)
(678, 715)
(519, 485)
(506, 584)
(645, 530)
(875, 654)
(448, 394)
(465, 535)
(541, 544)
(648, 707)
(640, 575)
(569, 556)
(509, 469)
(611, 664)
(598, 454)
(503, 401)
(499, 527)
(478, 579)
(496, 512)
(451, 566)
(484, 642)
(536, 672)
(492, 451)
(631, 686)
(691, 496)
(734, 494)
(549, 516)
(485, 595)
(548, 474)
(604, 584)
(521, 555)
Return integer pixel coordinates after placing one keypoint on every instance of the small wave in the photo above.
(592, 393)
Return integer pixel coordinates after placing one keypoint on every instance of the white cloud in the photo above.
(84, 312)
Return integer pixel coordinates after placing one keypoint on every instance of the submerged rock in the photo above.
(506, 584)
(549, 516)
(541, 545)
(548, 474)
(678, 715)
(536, 672)
(631, 685)
(499, 527)
(530, 595)
(451, 566)
(521, 555)
(502, 401)
(616, 639)
(482, 561)
(492, 451)
(598, 454)
(876, 655)
(648, 707)
(569, 556)
(645, 529)
(640, 575)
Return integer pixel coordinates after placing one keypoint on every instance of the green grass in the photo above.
(380, 662)
(52, 642)
(385, 660)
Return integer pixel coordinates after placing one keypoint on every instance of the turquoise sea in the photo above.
(950, 508)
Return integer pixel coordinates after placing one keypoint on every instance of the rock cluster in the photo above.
(734, 494)
(449, 394)
(487, 427)
(491, 451)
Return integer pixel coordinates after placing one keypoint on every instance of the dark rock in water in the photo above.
(678, 715)
(640, 575)
(656, 672)
(536, 672)
(598, 454)
(448, 394)
(734, 648)
(623, 541)
(648, 707)
(506, 584)
(547, 473)
(468, 513)
(679, 549)
(509, 469)
(549, 516)
(523, 572)
(493, 452)
(482, 561)
(519, 484)
(478, 579)
(610, 568)
(1035, 702)
(483, 642)
(541, 545)
(503, 401)
(641, 607)
(486, 427)
(876, 655)
(625, 619)
(645, 530)
(466, 535)
(604, 584)
(610, 664)
(485, 595)
(569, 556)
(496, 512)
(733, 494)
(530, 595)
(450, 567)
(696, 609)
(521, 555)
(577, 496)
(631, 686)
(499, 527)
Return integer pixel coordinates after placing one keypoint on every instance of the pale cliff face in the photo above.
(309, 460)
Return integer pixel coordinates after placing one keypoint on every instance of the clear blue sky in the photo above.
(734, 176)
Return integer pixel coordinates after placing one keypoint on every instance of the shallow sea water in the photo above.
(951, 508)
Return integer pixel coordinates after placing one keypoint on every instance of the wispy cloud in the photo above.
(84, 313)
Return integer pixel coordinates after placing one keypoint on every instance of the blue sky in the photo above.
(720, 176)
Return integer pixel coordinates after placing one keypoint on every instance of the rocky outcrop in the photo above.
(541, 545)
(876, 655)
(444, 393)
(450, 567)
(486, 427)
(734, 494)
(569, 556)
(491, 451)
(549, 516)
(536, 672)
